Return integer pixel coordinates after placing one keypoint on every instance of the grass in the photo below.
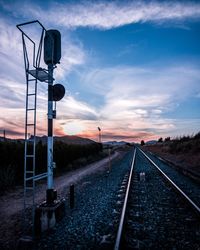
(183, 151)
(185, 144)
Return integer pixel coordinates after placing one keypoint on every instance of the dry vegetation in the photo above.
(183, 151)
(67, 157)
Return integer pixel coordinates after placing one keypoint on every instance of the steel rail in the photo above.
(197, 209)
(121, 223)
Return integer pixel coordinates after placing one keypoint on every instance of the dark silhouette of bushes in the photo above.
(66, 154)
(197, 136)
(167, 139)
(185, 144)
(66, 157)
(11, 163)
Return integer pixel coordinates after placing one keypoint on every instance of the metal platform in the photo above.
(41, 74)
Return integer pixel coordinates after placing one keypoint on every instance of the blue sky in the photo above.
(130, 67)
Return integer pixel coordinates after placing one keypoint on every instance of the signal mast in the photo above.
(50, 44)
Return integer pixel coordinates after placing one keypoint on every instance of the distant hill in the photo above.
(72, 139)
(68, 139)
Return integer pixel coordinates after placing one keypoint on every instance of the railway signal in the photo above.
(50, 43)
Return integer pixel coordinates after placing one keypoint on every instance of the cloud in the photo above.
(12, 91)
(137, 99)
(10, 52)
(71, 108)
(108, 15)
(134, 100)
(108, 136)
(13, 82)
(149, 86)
(198, 95)
(11, 133)
(73, 55)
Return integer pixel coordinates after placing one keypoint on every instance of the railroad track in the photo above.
(157, 213)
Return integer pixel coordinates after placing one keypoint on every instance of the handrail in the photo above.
(35, 21)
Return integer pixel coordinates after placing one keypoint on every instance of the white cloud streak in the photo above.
(73, 55)
(71, 108)
(112, 14)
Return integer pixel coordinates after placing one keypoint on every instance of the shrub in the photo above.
(185, 144)
(7, 177)
(66, 156)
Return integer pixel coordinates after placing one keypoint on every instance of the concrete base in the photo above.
(47, 215)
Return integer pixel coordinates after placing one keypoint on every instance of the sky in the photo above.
(131, 68)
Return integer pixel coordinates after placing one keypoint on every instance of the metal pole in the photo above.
(50, 128)
(72, 196)
(109, 160)
(99, 136)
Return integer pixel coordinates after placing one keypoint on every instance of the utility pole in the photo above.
(99, 134)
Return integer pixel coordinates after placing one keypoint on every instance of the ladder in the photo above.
(30, 177)
(30, 150)
(33, 75)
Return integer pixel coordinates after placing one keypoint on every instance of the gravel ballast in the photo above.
(157, 218)
(92, 224)
(188, 185)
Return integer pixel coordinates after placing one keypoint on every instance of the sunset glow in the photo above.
(136, 76)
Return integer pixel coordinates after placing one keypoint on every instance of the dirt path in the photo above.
(11, 204)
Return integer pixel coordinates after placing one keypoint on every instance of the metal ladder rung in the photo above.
(29, 155)
(40, 176)
(29, 188)
(30, 109)
(31, 94)
(30, 124)
(30, 140)
(30, 80)
(29, 172)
